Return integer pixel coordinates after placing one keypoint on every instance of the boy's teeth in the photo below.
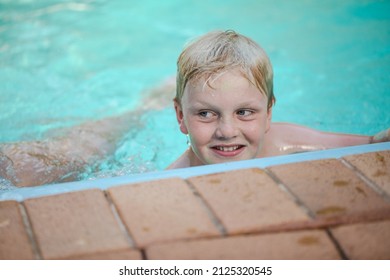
(227, 149)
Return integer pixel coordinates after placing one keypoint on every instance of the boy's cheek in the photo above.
(200, 135)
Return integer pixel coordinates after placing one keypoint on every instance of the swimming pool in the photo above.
(63, 63)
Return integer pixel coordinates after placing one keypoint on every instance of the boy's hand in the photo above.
(382, 136)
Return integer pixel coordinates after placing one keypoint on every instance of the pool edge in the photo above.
(31, 192)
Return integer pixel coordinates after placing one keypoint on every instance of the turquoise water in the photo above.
(63, 63)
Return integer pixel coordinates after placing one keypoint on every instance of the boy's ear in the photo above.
(180, 117)
(269, 118)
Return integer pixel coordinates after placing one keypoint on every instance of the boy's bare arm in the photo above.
(56, 159)
(36, 163)
(285, 138)
(64, 153)
(62, 156)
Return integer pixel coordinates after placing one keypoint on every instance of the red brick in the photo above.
(14, 241)
(128, 254)
(330, 189)
(248, 200)
(368, 241)
(162, 210)
(375, 166)
(74, 223)
(303, 245)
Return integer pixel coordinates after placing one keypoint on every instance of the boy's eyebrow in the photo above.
(244, 104)
(248, 105)
(199, 104)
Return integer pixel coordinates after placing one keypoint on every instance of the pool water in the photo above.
(63, 63)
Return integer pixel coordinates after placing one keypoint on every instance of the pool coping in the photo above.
(105, 183)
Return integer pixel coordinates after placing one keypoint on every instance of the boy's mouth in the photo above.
(228, 151)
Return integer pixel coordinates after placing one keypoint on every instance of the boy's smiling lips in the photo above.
(227, 150)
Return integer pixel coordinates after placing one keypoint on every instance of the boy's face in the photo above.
(225, 122)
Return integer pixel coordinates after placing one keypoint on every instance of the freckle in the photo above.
(215, 181)
(330, 210)
(340, 183)
(308, 240)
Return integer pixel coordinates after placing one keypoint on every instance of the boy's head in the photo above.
(221, 51)
(224, 98)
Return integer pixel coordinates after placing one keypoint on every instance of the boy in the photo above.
(223, 103)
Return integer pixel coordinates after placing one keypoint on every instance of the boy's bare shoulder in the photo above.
(182, 162)
(289, 132)
(280, 139)
(288, 138)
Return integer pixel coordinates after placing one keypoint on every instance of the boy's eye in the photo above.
(244, 112)
(206, 114)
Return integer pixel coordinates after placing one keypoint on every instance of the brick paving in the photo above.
(323, 209)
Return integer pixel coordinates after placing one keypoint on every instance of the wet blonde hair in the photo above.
(220, 51)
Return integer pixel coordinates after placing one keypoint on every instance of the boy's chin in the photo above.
(226, 160)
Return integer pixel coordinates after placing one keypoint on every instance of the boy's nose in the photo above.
(226, 129)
